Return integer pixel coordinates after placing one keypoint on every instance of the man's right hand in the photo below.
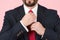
(28, 19)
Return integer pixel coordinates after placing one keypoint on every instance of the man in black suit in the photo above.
(31, 17)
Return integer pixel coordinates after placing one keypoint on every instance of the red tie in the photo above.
(31, 34)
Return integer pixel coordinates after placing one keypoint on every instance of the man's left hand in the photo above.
(38, 27)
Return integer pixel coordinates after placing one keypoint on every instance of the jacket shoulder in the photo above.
(47, 10)
(51, 12)
(13, 11)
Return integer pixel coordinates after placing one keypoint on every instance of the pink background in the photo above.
(10, 4)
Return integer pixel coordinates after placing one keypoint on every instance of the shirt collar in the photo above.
(34, 9)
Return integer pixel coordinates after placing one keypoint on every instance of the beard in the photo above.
(29, 3)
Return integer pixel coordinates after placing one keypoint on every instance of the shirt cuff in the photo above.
(24, 26)
(41, 36)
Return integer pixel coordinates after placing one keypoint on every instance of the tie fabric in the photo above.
(31, 34)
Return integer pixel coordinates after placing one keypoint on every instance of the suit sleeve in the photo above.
(9, 31)
(53, 34)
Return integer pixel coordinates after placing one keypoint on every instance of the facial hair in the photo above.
(29, 4)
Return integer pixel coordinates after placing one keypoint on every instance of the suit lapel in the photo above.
(41, 15)
(21, 11)
(41, 18)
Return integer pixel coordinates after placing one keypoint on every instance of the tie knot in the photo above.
(30, 11)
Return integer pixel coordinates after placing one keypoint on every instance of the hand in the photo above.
(37, 27)
(28, 19)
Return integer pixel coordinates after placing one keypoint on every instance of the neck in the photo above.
(31, 7)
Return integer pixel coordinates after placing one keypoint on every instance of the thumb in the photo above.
(32, 29)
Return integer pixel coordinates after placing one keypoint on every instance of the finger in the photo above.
(32, 14)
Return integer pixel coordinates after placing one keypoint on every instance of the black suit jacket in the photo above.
(13, 29)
